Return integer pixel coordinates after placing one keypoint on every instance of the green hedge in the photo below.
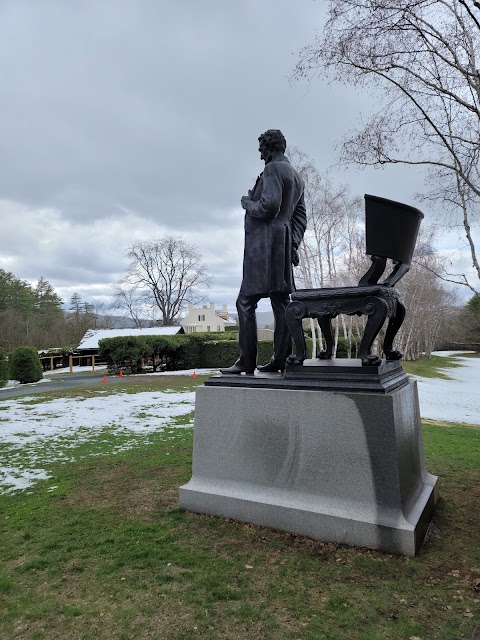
(199, 350)
(225, 353)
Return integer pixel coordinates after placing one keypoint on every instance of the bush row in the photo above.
(176, 352)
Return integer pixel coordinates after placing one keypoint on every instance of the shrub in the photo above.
(128, 351)
(164, 349)
(25, 365)
(4, 368)
(201, 353)
(123, 351)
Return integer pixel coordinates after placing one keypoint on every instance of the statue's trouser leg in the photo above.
(247, 330)
(282, 340)
(325, 323)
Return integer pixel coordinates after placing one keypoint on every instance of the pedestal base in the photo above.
(340, 467)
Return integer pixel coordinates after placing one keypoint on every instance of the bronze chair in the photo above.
(391, 232)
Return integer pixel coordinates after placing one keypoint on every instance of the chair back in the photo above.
(391, 229)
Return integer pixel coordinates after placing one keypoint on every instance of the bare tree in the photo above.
(130, 302)
(164, 274)
(422, 54)
(427, 300)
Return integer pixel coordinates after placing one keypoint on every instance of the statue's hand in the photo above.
(295, 257)
(244, 201)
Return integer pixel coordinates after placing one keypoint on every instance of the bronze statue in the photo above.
(275, 221)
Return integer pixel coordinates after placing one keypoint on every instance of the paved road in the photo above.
(58, 382)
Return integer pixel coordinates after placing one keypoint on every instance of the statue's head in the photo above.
(270, 142)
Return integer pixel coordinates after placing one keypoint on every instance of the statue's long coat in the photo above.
(275, 221)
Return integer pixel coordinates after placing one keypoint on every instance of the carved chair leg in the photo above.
(294, 315)
(376, 270)
(392, 329)
(398, 272)
(376, 309)
(325, 323)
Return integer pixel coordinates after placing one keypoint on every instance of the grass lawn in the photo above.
(100, 550)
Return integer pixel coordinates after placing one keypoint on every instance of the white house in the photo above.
(206, 319)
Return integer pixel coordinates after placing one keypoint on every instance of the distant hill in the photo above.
(108, 321)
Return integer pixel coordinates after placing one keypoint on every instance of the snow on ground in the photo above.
(98, 368)
(455, 400)
(33, 434)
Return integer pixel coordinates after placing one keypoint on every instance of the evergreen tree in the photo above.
(25, 365)
(46, 300)
(16, 294)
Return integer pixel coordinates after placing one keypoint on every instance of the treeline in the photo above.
(34, 315)
(462, 327)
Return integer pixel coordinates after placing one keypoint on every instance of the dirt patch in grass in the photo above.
(120, 487)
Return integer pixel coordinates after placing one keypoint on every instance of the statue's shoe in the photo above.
(272, 367)
(237, 369)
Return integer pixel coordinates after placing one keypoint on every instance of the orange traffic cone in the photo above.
(121, 374)
(194, 374)
(104, 381)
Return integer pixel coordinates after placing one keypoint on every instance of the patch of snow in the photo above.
(13, 479)
(64, 370)
(450, 353)
(11, 384)
(455, 400)
(46, 432)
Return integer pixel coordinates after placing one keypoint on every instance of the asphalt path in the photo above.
(57, 383)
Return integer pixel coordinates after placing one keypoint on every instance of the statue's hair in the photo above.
(274, 140)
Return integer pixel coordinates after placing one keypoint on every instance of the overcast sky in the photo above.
(123, 120)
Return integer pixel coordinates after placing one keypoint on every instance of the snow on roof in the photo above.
(92, 336)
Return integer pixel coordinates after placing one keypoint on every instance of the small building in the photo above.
(207, 319)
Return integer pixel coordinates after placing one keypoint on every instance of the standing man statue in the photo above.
(275, 221)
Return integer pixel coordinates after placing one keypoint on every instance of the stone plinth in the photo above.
(336, 466)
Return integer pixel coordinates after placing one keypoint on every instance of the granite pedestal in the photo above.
(345, 467)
